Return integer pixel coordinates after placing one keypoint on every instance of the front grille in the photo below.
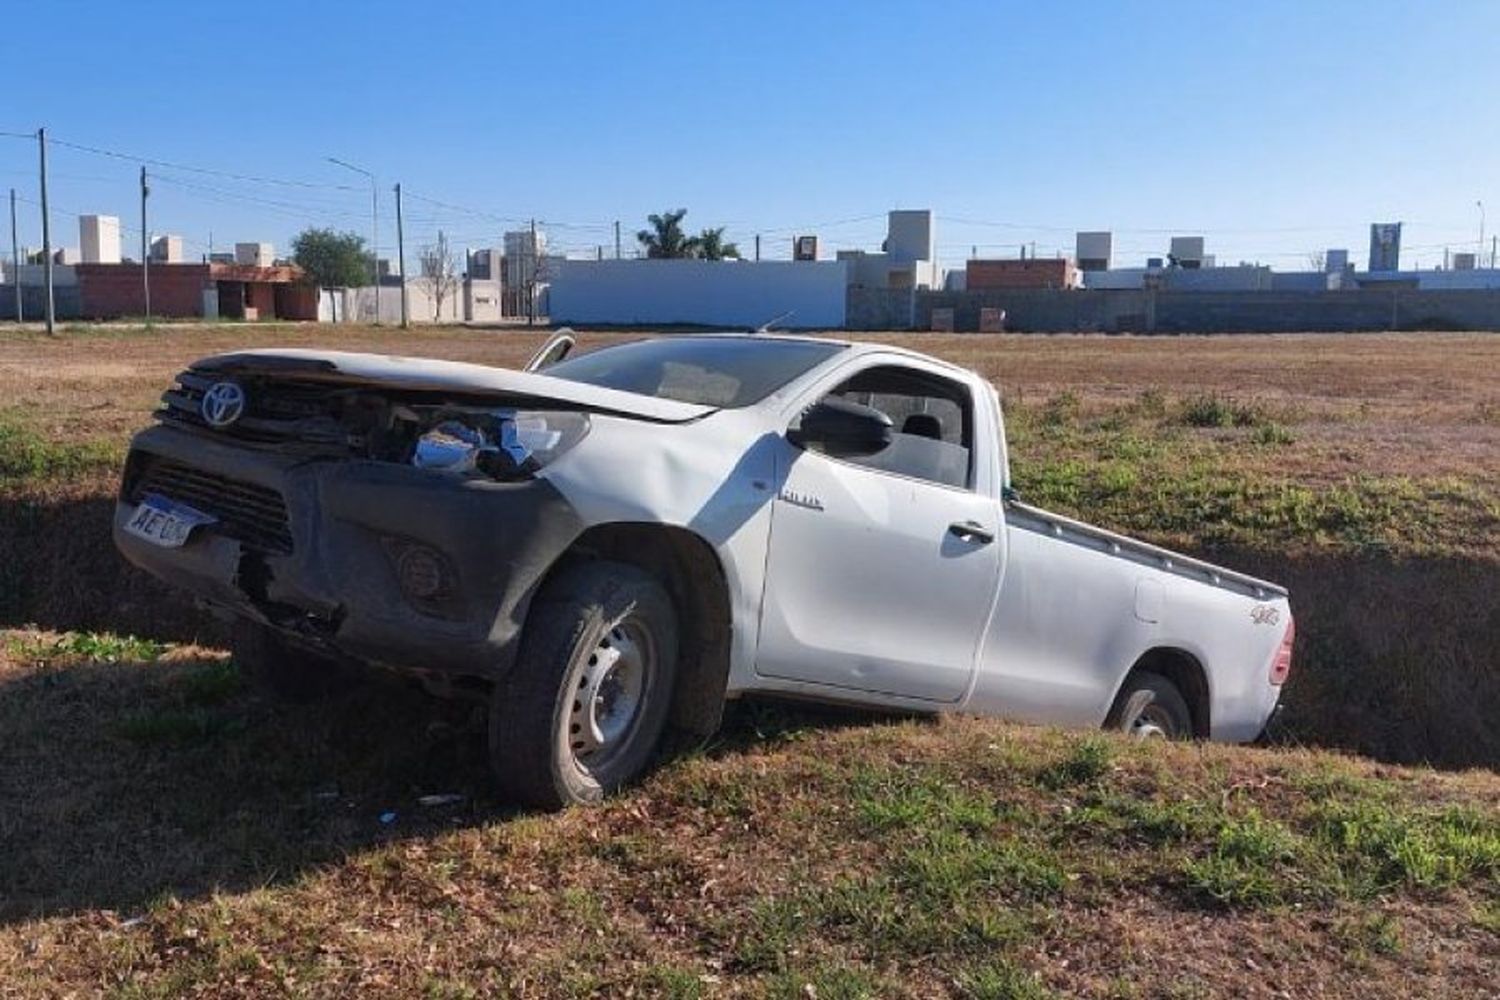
(254, 515)
(276, 410)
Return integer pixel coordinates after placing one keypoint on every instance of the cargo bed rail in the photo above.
(1031, 518)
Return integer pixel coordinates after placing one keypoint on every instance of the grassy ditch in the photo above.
(800, 854)
(1359, 471)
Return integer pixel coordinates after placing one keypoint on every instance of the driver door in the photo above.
(882, 570)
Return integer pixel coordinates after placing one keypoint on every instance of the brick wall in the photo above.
(1032, 273)
(109, 291)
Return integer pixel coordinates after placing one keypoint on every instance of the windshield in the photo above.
(711, 371)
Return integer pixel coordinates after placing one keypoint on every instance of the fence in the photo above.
(1137, 311)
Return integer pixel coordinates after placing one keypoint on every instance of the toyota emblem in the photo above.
(223, 404)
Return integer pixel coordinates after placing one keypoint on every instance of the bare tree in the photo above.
(440, 272)
(1317, 259)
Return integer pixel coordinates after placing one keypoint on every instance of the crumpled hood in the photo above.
(427, 374)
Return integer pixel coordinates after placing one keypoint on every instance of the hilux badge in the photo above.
(223, 404)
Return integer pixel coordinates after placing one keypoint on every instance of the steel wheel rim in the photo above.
(610, 694)
(1152, 722)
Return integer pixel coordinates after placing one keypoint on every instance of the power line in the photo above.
(252, 178)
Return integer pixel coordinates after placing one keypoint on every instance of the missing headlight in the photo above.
(502, 444)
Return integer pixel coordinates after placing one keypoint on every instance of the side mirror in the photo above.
(842, 429)
(557, 347)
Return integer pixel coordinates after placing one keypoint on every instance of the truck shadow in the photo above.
(128, 784)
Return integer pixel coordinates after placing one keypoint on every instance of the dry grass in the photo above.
(164, 833)
(168, 834)
(1362, 470)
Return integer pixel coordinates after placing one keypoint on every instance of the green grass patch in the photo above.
(27, 456)
(1212, 410)
(1086, 761)
(825, 981)
(177, 727)
(103, 647)
(1001, 980)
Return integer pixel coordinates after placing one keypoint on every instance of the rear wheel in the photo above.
(586, 701)
(1151, 707)
(281, 669)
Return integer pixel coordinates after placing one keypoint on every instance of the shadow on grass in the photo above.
(127, 784)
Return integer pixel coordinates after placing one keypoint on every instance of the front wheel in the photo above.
(1151, 707)
(587, 698)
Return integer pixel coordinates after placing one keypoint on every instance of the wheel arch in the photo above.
(1187, 674)
(687, 566)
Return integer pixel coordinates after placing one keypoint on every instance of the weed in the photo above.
(775, 926)
(1378, 933)
(1377, 849)
(1151, 403)
(1212, 410)
(672, 982)
(887, 801)
(27, 455)
(102, 647)
(1487, 917)
(825, 982)
(1249, 864)
(1061, 410)
(172, 727)
(211, 684)
(1088, 760)
(1001, 980)
(1272, 434)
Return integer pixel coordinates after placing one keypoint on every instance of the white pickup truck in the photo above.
(618, 540)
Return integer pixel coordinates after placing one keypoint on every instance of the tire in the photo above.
(597, 626)
(1150, 706)
(281, 670)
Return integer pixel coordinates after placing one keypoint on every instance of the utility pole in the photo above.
(401, 255)
(617, 239)
(757, 246)
(145, 250)
(15, 256)
(41, 141)
(531, 281)
(1479, 249)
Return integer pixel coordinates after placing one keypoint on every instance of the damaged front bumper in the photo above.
(372, 560)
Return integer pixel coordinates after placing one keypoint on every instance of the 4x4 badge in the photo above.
(1265, 614)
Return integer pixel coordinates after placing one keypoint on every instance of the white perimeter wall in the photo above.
(703, 292)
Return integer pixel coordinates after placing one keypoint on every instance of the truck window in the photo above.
(932, 421)
(711, 370)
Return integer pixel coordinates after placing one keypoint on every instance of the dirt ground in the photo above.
(1425, 404)
(166, 831)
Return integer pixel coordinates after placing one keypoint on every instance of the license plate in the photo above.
(165, 522)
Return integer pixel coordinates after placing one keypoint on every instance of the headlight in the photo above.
(502, 444)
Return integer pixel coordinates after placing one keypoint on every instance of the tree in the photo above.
(711, 246)
(665, 239)
(440, 272)
(332, 260)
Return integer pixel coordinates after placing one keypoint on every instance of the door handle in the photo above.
(971, 531)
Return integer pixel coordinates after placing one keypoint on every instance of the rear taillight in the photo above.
(1281, 663)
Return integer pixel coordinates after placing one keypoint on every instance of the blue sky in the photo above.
(1272, 128)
